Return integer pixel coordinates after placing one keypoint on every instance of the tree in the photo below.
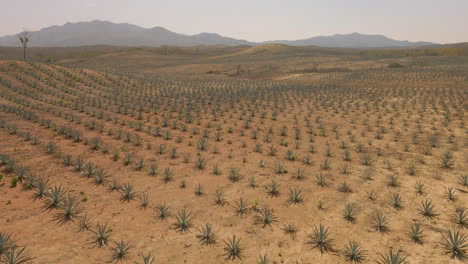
(24, 38)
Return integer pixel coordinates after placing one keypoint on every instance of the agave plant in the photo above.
(41, 187)
(392, 258)
(416, 233)
(273, 188)
(147, 259)
(15, 256)
(199, 190)
(162, 211)
(427, 209)
(219, 197)
(6, 242)
(102, 235)
(121, 250)
(380, 222)
(456, 244)
(100, 177)
(350, 212)
(114, 185)
(206, 235)
(144, 200)
(232, 248)
(241, 207)
(128, 192)
(265, 216)
(234, 175)
(84, 223)
(69, 208)
(153, 171)
(183, 221)
(90, 169)
(320, 238)
(168, 175)
(290, 228)
(461, 217)
(354, 253)
(55, 195)
(295, 195)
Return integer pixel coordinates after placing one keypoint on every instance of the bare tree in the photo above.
(24, 38)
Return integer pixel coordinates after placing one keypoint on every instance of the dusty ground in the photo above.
(328, 108)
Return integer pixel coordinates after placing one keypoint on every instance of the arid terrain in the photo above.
(216, 154)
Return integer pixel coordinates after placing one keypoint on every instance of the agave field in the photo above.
(364, 166)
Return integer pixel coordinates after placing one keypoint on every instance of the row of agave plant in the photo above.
(288, 155)
(265, 215)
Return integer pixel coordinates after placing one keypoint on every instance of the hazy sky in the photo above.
(254, 20)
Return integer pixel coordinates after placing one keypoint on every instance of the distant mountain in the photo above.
(98, 32)
(353, 40)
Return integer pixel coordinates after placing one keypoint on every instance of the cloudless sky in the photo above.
(254, 20)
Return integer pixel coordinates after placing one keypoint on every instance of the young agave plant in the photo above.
(263, 259)
(321, 179)
(320, 239)
(6, 242)
(420, 187)
(15, 256)
(379, 222)
(147, 259)
(252, 182)
(201, 163)
(427, 209)
(90, 169)
(41, 189)
(84, 223)
(456, 244)
(396, 201)
(140, 164)
(102, 235)
(144, 200)
(100, 177)
(199, 190)
(295, 195)
(350, 212)
(233, 249)
(153, 171)
(128, 192)
(68, 160)
(69, 209)
(162, 211)
(30, 182)
(416, 233)
(114, 185)
(290, 228)
(206, 235)
(461, 217)
(241, 207)
(183, 221)
(234, 175)
(55, 195)
(121, 250)
(273, 188)
(354, 253)
(392, 258)
(219, 198)
(450, 194)
(168, 175)
(265, 216)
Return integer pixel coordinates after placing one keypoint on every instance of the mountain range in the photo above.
(99, 32)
